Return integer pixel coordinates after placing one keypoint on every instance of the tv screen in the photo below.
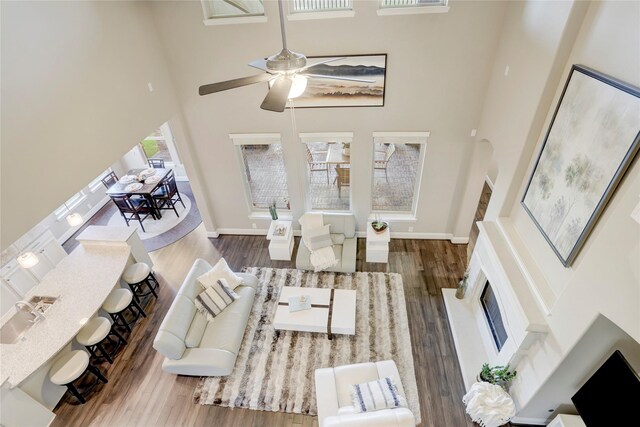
(611, 396)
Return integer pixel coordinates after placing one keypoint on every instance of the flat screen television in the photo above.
(611, 396)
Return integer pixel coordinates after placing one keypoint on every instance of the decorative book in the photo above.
(299, 303)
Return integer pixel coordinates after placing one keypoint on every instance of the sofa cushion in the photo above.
(377, 395)
(220, 271)
(346, 410)
(341, 224)
(318, 238)
(196, 331)
(174, 328)
(347, 376)
(225, 332)
(214, 299)
(337, 239)
(190, 287)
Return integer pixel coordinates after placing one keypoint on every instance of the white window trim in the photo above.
(402, 138)
(412, 10)
(240, 139)
(230, 20)
(62, 211)
(339, 137)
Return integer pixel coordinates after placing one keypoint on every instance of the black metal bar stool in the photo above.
(139, 275)
(70, 367)
(118, 301)
(93, 335)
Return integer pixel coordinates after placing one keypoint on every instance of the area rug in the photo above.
(275, 369)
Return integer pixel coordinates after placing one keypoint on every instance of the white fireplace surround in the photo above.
(523, 320)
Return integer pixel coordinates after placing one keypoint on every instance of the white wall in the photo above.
(74, 99)
(437, 74)
(605, 278)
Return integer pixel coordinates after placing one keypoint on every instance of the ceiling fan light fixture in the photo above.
(298, 86)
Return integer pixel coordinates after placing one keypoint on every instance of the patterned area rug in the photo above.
(275, 369)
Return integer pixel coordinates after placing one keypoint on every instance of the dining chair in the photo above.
(382, 164)
(168, 195)
(315, 165)
(343, 178)
(156, 163)
(109, 179)
(131, 209)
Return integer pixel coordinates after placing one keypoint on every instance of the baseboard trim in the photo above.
(213, 234)
(530, 421)
(459, 240)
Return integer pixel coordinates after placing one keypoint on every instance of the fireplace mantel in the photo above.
(493, 260)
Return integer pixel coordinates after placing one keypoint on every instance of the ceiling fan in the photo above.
(286, 72)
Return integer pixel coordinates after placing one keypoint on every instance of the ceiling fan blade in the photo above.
(260, 64)
(338, 78)
(277, 97)
(231, 84)
(320, 63)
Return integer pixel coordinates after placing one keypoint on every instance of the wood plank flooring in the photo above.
(139, 393)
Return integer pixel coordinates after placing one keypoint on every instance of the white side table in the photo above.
(280, 246)
(377, 245)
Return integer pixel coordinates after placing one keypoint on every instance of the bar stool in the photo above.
(94, 333)
(117, 302)
(138, 275)
(72, 366)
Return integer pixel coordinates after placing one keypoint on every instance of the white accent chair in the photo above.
(345, 244)
(335, 405)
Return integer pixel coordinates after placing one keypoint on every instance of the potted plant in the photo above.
(378, 225)
(272, 211)
(498, 375)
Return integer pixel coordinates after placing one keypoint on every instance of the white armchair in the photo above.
(333, 395)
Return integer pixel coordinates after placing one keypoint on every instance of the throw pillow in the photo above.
(319, 238)
(377, 395)
(214, 299)
(220, 271)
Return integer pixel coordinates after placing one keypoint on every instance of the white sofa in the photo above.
(194, 346)
(335, 406)
(345, 244)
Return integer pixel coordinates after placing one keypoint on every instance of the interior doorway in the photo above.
(481, 210)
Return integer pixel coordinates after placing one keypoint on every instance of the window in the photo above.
(232, 11)
(320, 5)
(264, 172)
(155, 146)
(96, 184)
(328, 170)
(74, 201)
(401, 7)
(398, 159)
(491, 310)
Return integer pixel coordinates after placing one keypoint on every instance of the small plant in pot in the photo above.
(378, 225)
(498, 375)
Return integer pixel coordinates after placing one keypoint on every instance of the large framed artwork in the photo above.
(592, 139)
(323, 92)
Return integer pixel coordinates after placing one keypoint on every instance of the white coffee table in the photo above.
(333, 311)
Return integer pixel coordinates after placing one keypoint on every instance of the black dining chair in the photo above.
(109, 179)
(156, 163)
(131, 208)
(167, 195)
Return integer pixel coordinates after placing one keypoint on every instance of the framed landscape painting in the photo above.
(592, 139)
(322, 92)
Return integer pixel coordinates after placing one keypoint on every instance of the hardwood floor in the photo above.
(139, 393)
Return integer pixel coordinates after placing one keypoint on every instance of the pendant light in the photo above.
(74, 218)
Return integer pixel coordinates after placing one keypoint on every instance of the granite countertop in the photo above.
(106, 233)
(82, 281)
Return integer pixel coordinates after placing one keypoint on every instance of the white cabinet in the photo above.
(567, 421)
(8, 297)
(17, 278)
(377, 245)
(280, 236)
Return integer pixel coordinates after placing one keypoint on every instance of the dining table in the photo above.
(336, 156)
(146, 190)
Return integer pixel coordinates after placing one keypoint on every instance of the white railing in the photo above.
(413, 3)
(298, 6)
